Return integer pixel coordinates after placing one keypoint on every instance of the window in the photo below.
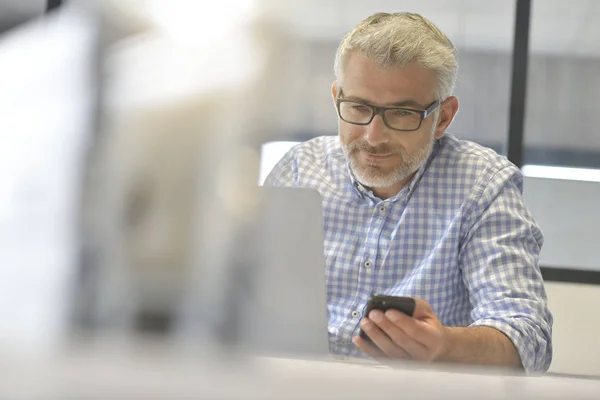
(561, 119)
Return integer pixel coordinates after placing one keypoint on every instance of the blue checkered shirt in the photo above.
(458, 236)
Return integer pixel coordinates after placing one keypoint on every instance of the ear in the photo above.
(448, 110)
(334, 91)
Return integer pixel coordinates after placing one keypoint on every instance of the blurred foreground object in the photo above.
(187, 99)
(130, 157)
(46, 118)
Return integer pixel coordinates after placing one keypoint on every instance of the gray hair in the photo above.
(398, 39)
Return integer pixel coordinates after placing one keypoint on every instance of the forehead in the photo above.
(362, 77)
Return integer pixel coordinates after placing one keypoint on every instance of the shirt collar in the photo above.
(360, 190)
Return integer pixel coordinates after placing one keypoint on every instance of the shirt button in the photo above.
(368, 264)
(355, 314)
(382, 208)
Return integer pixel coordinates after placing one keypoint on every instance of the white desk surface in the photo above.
(154, 374)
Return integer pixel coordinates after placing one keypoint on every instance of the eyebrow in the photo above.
(402, 103)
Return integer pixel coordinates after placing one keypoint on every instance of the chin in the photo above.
(375, 178)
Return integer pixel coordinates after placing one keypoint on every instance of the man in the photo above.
(409, 210)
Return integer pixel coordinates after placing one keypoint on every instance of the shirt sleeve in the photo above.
(284, 173)
(499, 262)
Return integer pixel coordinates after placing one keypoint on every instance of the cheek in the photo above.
(349, 133)
(410, 142)
(417, 141)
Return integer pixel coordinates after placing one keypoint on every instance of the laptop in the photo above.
(284, 312)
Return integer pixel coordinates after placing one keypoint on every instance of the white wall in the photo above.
(576, 332)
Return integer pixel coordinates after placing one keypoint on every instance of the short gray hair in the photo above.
(398, 39)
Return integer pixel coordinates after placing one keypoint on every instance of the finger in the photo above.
(422, 309)
(368, 348)
(381, 340)
(400, 338)
(419, 331)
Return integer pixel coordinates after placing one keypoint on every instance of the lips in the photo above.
(376, 157)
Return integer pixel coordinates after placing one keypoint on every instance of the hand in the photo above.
(396, 335)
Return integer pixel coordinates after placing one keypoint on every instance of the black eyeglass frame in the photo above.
(381, 111)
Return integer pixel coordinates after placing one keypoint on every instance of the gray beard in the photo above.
(371, 176)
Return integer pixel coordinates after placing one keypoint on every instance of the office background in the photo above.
(546, 114)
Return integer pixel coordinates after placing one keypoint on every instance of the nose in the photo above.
(375, 132)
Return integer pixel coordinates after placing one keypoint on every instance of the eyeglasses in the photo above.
(396, 118)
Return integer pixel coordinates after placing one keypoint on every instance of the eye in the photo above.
(359, 108)
(402, 113)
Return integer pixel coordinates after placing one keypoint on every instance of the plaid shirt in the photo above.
(458, 236)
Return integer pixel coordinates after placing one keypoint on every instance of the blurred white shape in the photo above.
(45, 109)
(189, 50)
(270, 155)
(195, 22)
(182, 100)
(566, 173)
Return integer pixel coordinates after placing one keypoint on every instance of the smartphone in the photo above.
(382, 302)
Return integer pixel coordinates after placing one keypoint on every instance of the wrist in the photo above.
(446, 348)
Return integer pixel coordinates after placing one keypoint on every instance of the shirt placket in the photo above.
(367, 267)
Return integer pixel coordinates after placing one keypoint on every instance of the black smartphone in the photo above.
(383, 302)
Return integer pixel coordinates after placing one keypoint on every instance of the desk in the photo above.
(163, 374)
